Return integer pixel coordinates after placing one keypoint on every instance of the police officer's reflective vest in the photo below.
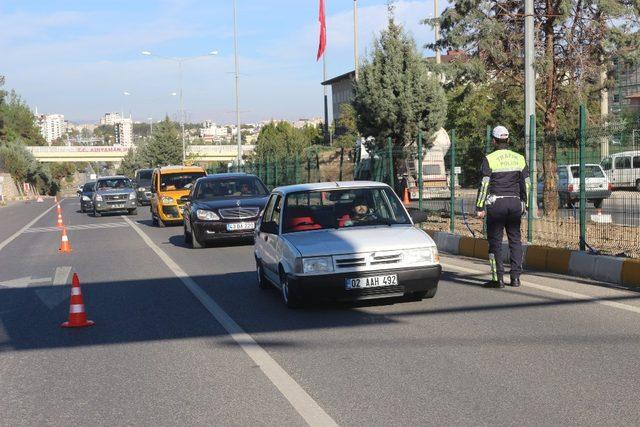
(504, 173)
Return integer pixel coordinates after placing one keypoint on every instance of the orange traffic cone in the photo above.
(58, 209)
(77, 315)
(60, 223)
(40, 199)
(405, 197)
(65, 246)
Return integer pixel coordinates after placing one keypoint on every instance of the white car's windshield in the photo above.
(114, 184)
(355, 207)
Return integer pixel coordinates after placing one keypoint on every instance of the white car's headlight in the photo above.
(86, 198)
(98, 198)
(167, 200)
(317, 265)
(140, 188)
(207, 215)
(132, 196)
(420, 255)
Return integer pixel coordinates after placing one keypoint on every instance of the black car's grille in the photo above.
(114, 197)
(239, 213)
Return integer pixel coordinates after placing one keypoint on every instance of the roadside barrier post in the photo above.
(452, 180)
(341, 163)
(296, 171)
(532, 140)
(583, 195)
(308, 168)
(266, 176)
(420, 185)
(275, 173)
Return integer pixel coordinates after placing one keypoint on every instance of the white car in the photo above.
(344, 241)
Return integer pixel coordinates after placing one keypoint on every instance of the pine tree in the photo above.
(164, 148)
(396, 96)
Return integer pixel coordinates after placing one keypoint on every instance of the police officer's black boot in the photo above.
(515, 281)
(497, 284)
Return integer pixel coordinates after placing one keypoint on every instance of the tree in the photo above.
(164, 147)
(131, 163)
(17, 122)
(346, 127)
(395, 95)
(281, 139)
(576, 40)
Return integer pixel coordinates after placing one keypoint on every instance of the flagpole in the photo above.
(327, 137)
(355, 37)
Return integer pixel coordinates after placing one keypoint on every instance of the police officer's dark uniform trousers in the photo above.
(504, 194)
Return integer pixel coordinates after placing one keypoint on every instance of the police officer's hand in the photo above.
(481, 214)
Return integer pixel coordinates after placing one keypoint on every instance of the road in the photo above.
(186, 337)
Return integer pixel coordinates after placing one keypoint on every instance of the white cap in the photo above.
(500, 132)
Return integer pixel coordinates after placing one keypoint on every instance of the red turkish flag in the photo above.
(323, 30)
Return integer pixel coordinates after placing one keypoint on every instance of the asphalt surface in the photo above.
(555, 351)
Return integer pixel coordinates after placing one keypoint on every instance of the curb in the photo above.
(619, 271)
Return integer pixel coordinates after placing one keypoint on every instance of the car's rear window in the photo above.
(316, 210)
(178, 181)
(590, 171)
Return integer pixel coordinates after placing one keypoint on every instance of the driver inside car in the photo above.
(361, 213)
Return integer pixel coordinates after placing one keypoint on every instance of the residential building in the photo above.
(124, 132)
(300, 123)
(111, 119)
(625, 93)
(211, 132)
(341, 91)
(52, 126)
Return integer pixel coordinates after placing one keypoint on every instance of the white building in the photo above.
(211, 132)
(300, 123)
(111, 119)
(125, 131)
(52, 126)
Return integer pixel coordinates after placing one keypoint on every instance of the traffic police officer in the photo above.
(503, 199)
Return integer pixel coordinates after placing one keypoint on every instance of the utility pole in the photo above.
(355, 37)
(235, 49)
(530, 92)
(436, 14)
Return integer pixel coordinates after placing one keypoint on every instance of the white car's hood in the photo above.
(359, 239)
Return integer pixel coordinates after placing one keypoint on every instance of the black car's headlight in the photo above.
(205, 215)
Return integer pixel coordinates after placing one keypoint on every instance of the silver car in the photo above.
(114, 193)
(343, 241)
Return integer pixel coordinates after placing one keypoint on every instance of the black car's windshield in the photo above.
(114, 184)
(356, 207)
(219, 188)
(144, 178)
(179, 181)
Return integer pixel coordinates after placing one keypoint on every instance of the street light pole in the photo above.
(355, 37)
(235, 53)
(530, 93)
(180, 60)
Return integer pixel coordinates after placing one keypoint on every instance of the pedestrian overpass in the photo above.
(196, 153)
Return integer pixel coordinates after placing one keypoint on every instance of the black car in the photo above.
(86, 196)
(143, 186)
(223, 206)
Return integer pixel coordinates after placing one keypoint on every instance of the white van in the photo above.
(623, 169)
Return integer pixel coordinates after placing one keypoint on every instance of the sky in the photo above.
(78, 57)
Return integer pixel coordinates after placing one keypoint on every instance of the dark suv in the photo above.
(142, 182)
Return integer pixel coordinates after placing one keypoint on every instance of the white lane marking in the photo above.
(26, 227)
(52, 296)
(557, 291)
(304, 404)
(24, 282)
(79, 227)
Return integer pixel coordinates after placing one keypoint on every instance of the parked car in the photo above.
(623, 169)
(223, 206)
(114, 193)
(344, 241)
(168, 185)
(597, 189)
(86, 196)
(142, 182)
